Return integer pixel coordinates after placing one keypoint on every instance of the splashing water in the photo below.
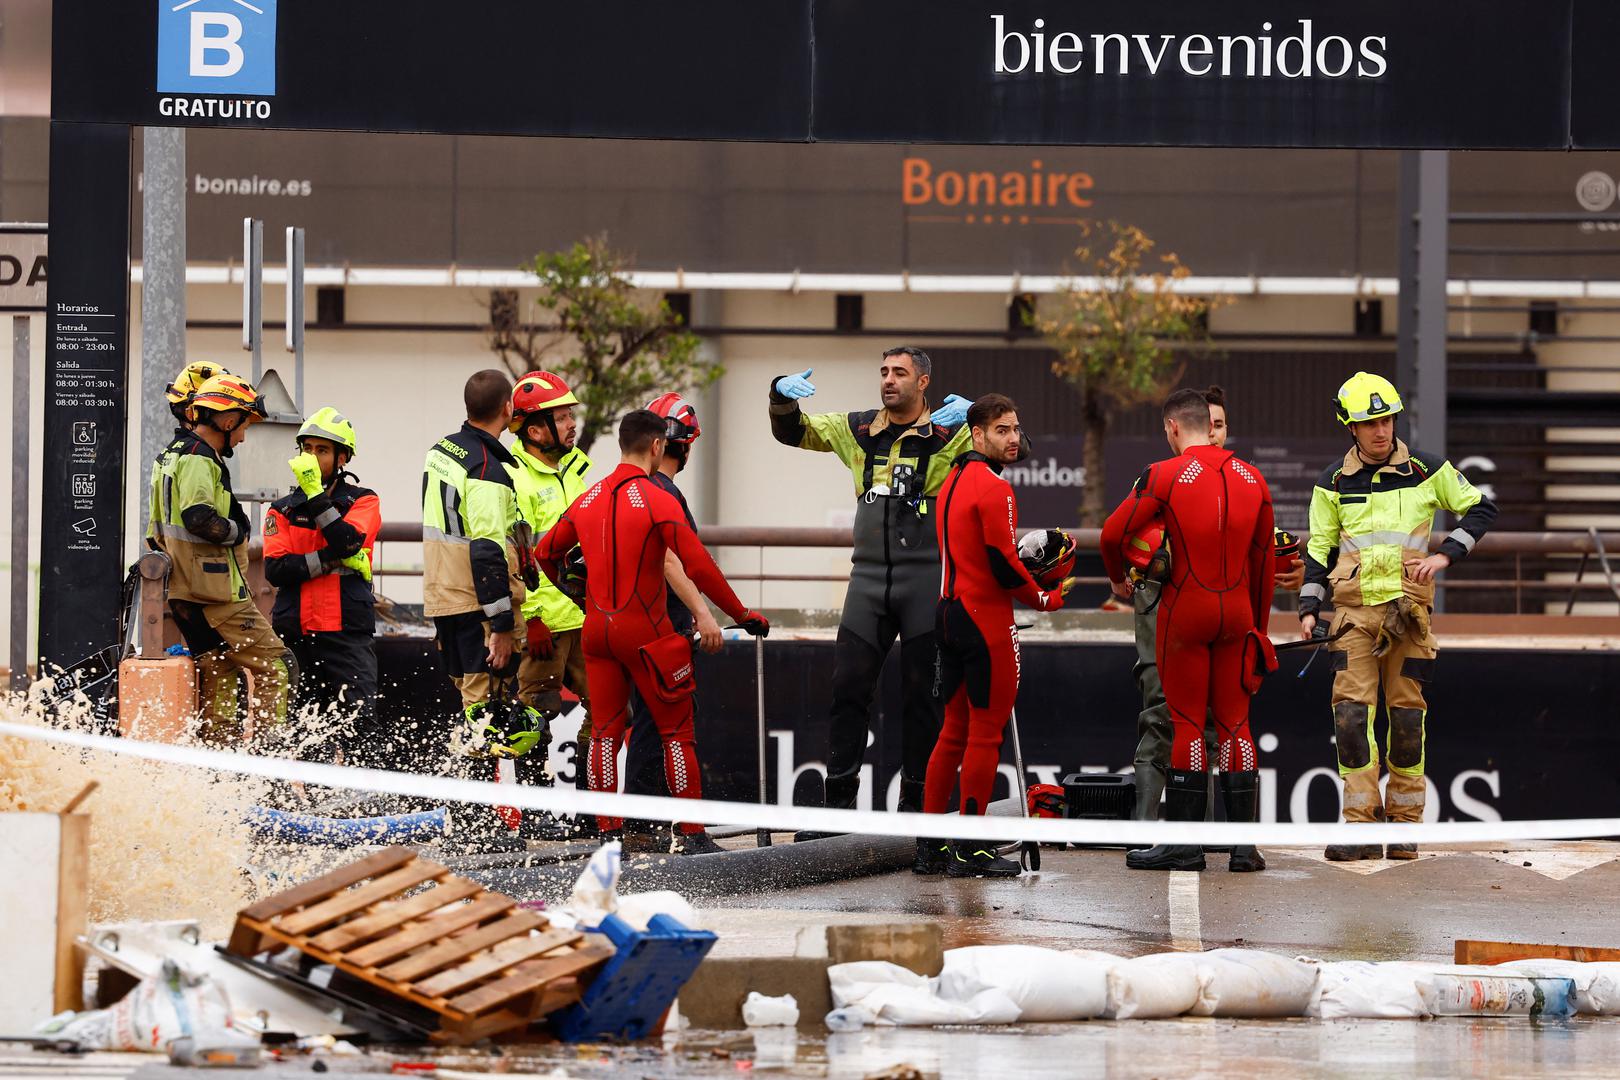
(166, 841)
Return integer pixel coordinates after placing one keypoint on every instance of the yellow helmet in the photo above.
(226, 393)
(329, 424)
(1365, 396)
(185, 384)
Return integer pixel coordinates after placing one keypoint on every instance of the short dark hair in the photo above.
(1215, 395)
(638, 429)
(919, 359)
(1188, 407)
(989, 408)
(486, 394)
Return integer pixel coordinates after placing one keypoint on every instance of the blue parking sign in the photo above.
(217, 47)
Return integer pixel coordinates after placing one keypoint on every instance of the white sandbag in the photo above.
(1597, 985)
(166, 1007)
(1360, 990)
(891, 994)
(1248, 982)
(1045, 984)
(1147, 987)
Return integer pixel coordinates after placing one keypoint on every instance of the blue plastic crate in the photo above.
(637, 986)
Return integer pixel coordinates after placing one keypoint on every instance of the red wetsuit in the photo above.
(978, 638)
(1217, 511)
(624, 525)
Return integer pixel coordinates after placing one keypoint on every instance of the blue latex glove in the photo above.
(796, 387)
(953, 411)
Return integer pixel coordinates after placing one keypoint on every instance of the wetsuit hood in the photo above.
(974, 455)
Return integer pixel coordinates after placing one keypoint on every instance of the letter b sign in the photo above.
(217, 47)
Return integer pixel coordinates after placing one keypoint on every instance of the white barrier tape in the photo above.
(792, 818)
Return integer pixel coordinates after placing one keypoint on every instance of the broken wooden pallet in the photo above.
(414, 931)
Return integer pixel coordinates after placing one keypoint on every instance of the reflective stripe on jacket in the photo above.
(543, 493)
(305, 541)
(469, 508)
(1377, 517)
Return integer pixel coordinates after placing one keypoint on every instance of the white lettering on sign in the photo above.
(204, 44)
(1300, 55)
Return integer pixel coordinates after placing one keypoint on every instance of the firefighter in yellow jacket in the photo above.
(1376, 508)
(469, 585)
(548, 474)
(200, 525)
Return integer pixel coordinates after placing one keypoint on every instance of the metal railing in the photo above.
(1493, 549)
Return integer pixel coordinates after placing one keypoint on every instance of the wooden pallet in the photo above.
(418, 933)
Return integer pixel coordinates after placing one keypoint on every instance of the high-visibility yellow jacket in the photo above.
(1377, 517)
(197, 521)
(543, 493)
(469, 509)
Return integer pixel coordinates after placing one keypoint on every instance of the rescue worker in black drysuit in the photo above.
(899, 456)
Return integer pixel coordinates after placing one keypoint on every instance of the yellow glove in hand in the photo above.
(307, 471)
(360, 563)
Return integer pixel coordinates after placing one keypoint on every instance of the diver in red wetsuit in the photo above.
(623, 526)
(978, 641)
(1217, 511)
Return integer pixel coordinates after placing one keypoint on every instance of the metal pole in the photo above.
(295, 310)
(1406, 249)
(21, 443)
(762, 838)
(1428, 426)
(163, 285)
(253, 293)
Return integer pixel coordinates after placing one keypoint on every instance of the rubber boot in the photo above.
(1240, 791)
(1149, 792)
(1186, 795)
(841, 794)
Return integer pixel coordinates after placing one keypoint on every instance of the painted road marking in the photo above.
(1557, 865)
(1365, 866)
(1186, 926)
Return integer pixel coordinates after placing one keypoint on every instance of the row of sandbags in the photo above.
(1004, 984)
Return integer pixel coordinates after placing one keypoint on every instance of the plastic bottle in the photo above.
(845, 1020)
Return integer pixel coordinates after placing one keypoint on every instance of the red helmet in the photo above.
(1047, 800)
(1141, 548)
(1048, 555)
(536, 392)
(680, 418)
(1285, 546)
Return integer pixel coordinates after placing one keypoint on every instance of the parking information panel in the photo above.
(86, 373)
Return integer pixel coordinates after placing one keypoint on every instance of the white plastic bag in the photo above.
(158, 1011)
(1045, 984)
(1597, 985)
(891, 994)
(762, 1011)
(1457, 992)
(1247, 982)
(1358, 989)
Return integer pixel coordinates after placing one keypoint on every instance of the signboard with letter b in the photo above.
(217, 47)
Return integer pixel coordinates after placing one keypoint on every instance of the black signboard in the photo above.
(86, 373)
(1390, 73)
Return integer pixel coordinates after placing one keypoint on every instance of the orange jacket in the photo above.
(304, 540)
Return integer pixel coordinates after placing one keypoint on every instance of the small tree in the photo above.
(1113, 329)
(621, 351)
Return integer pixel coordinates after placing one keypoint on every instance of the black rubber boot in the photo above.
(933, 857)
(695, 843)
(972, 858)
(1240, 791)
(1149, 792)
(841, 794)
(1186, 795)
